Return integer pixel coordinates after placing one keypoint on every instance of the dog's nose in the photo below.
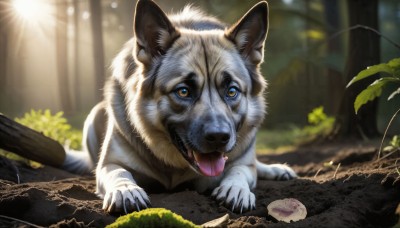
(217, 136)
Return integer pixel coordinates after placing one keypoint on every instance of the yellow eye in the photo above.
(232, 92)
(183, 92)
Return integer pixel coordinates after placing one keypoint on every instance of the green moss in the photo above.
(152, 217)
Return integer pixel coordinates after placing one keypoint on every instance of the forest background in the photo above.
(55, 54)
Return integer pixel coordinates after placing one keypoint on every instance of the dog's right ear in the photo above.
(153, 31)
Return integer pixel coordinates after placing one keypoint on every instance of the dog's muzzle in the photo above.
(206, 163)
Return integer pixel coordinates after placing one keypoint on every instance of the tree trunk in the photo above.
(98, 49)
(77, 79)
(30, 144)
(363, 51)
(3, 56)
(336, 84)
(62, 57)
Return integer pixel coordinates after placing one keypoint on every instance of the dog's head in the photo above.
(199, 85)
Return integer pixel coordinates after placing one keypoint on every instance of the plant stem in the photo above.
(384, 135)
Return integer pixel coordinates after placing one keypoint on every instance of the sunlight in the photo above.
(26, 9)
(28, 17)
(31, 11)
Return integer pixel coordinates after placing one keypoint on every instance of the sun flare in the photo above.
(31, 10)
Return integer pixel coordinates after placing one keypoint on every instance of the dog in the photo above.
(182, 108)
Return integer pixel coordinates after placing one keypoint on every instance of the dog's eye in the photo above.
(183, 92)
(232, 92)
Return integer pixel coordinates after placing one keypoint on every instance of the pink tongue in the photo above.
(211, 164)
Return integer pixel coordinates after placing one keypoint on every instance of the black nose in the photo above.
(217, 137)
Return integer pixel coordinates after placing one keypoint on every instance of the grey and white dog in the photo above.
(182, 107)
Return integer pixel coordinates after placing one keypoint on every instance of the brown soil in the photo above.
(359, 193)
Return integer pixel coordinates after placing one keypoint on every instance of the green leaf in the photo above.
(394, 63)
(397, 91)
(317, 115)
(371, 92)
(370, 71)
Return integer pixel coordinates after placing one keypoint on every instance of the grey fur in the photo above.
(184, 89)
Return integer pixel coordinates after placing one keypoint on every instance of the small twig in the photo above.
(4, 183)
(347, 179)
(349, 29)
(390, 166)
(366, 28)
(21, 221)
(337, 169)
(316, 174)
(387, 128)
(397, 168)
(90, 223)
(386, 155)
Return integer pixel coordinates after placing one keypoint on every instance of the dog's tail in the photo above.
(78, 162)
(84, 162)
(274, 171)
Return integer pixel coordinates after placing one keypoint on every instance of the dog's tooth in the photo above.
(195, 154)
(190, 154)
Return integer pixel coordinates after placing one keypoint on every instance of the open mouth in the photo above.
(209, 164)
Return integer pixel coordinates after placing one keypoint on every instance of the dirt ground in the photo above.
(361, 192)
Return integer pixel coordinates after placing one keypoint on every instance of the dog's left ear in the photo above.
(250, 32)
(153, 31)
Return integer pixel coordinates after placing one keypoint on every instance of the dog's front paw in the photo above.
(126, 198)
(237, 198)
(275, 172)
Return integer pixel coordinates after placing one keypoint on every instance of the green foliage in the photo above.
(277, 140)
(393, 144)
(317, 116)
(320, 125)
(16, 157)
(390, 74)
(53, 126)
(152, 217)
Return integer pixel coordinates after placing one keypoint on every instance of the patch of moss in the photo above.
(152, 217)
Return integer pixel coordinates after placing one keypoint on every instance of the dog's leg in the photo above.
(122, 194)
(234, 190)
(274, 171)
(114, 183)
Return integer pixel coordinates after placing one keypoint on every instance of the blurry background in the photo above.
(55, 54)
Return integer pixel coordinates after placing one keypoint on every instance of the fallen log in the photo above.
(29, 143)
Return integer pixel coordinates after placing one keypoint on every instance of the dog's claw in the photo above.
(285, 176)
(126, 199)
(137, 207)
(241, 205)
(236, 198)
(124, 204)
(275, 172)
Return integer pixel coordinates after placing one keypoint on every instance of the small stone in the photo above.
(287, 210)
